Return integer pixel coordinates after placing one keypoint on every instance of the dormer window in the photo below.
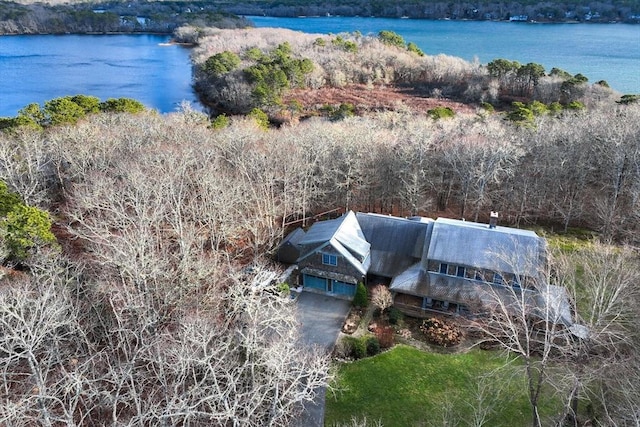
(328, 259)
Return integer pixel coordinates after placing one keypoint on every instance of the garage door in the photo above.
(328, 285)
(343, 288)
(315, 282)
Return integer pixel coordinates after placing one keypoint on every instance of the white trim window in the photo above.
(328, 259)
(498, 279)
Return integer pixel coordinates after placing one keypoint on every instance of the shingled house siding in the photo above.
(344, 267)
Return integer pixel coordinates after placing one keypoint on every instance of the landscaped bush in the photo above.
(395, 316)
(385, 336)
(441, 333)
(358, 347)
(360, 298)
(372, 344)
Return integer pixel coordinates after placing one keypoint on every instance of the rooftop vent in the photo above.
(493, 220)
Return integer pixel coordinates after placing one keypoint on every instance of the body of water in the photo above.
(608, 52)
(143, 67)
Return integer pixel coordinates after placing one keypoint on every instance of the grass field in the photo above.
(408, 387)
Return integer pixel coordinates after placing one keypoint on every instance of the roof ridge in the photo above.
(346, 215)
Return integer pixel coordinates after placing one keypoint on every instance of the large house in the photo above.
(430, 265)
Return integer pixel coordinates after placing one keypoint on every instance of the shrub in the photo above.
(346, 45)
(385, 336)
(412, 47)
(320, 42)
(342, 112)
(254, 54)
(441, 333)
(23, 228)
(276, 72)
(63, 111)
(487, 107)
(555, 107)
(221, 63)
(628, 99)
(360, 298)
(8, 200)
(441, 113)
(356, 347)
(372, 344)
(520, 113)
(122, 105)
(221, 121)
(395, 316)
(390, 38)
(283, 288)
(538, 108)
(261, 118)
(576, 105)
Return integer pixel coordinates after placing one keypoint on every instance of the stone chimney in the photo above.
(493, 220)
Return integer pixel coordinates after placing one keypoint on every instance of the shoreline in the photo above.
(249, 17)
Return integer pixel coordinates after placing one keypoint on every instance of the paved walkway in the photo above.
(321, 318)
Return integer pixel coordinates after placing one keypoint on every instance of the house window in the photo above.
(497, 279)
(460, 271)
(443, 268)
(516, 281)
(328, 259)
(470, 273)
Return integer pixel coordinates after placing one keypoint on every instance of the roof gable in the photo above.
(344, 230)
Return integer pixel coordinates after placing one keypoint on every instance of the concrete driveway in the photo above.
(321, 318)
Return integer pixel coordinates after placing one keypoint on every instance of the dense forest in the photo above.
(144, 309)
(112, 17)
(556, 11)
(137, 286)
(526, 10)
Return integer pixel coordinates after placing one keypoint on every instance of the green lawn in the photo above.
(408, 387)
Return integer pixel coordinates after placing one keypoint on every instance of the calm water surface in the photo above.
(608, 52)
(39, 68)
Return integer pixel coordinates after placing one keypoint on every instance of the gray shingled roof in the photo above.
(289, 249)
(396, 243)
(503, 249)
(345, 230)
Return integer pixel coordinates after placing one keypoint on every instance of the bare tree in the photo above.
(477, 160)
(526, 317)
(27, 166)
(381, 297)
(600, 364)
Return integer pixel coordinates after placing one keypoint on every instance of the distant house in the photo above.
(430, 265)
